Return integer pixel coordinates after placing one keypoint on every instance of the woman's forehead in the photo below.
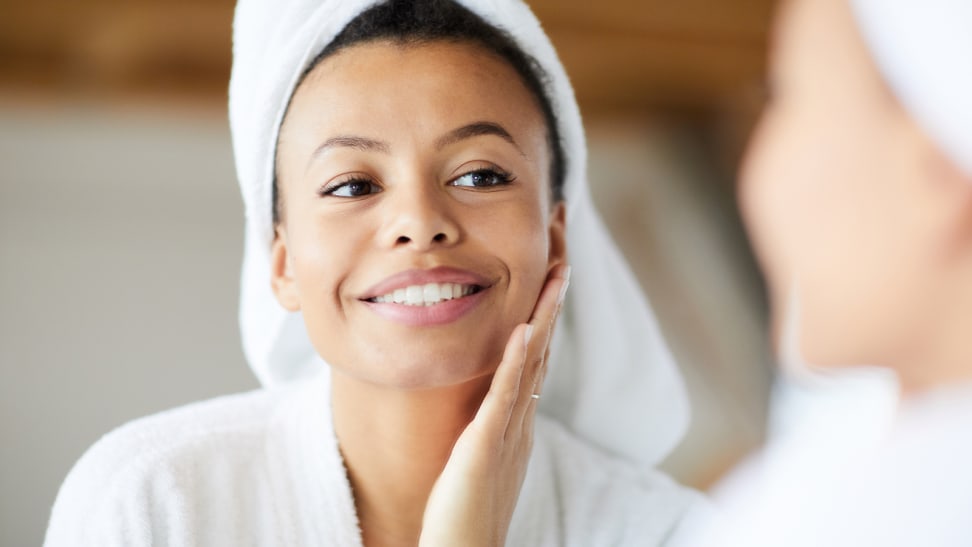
(391, 88)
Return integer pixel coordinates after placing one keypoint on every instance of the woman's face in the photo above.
(417, 227)
(836, 196)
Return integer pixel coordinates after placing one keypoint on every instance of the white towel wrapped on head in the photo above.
(922, 50)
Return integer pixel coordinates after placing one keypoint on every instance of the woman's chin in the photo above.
(416, 376)
(416, 358)
(414, 366)
(422, 380)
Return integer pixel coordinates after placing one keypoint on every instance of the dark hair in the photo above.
(414, 22)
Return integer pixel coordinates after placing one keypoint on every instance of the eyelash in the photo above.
(501, 178)
(332, 189)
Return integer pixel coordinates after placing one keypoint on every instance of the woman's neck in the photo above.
(395, 444)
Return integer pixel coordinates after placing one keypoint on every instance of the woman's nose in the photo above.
(419, 218)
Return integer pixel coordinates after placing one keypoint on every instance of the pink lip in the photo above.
(427, 316)
(437, 314)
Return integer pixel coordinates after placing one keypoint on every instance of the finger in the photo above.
(540, 372)
(550, 294)
(544, 316)
(528, 416)
(528, 409)
(493, 416)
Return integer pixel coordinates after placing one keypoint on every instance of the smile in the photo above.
(428, 294)
(428, 297)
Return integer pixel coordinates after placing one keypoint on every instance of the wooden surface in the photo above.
(624, 56)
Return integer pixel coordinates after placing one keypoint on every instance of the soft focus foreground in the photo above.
(121, 223)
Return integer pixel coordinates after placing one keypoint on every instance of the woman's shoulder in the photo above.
(156, 460)
(170, 434)
(604, 495)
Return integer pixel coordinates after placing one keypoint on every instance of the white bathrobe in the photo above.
(263, 468)
(856, 475)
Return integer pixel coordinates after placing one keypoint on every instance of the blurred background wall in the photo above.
(121, 224)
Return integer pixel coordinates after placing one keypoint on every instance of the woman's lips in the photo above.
(444, 312)
(427, 297)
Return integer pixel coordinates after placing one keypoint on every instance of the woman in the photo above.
(857, 192)
(410, 172)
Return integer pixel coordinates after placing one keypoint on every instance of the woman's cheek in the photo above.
(777, 204)
(761, 200)
(323, 257)
(533, 248)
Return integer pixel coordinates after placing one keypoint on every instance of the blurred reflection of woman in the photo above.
(857, 192)
(411, 172)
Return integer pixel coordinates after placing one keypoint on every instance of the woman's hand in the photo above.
(472, 502)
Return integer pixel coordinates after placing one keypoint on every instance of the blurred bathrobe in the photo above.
(857, 469)
(263, 468)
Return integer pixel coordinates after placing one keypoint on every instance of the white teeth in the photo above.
(426, 295)
(413, 295)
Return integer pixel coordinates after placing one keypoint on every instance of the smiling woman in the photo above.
(441, 201)
(409, 189)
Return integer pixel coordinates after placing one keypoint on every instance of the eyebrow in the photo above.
(351, 141)
(365, 144)
(476, 129)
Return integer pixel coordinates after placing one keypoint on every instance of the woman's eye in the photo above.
(482, 178)
(352, 189)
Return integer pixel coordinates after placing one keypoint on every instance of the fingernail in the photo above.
(566, 273)
(527, 335)
(563, 291)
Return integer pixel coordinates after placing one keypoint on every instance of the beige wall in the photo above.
(120, 241)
